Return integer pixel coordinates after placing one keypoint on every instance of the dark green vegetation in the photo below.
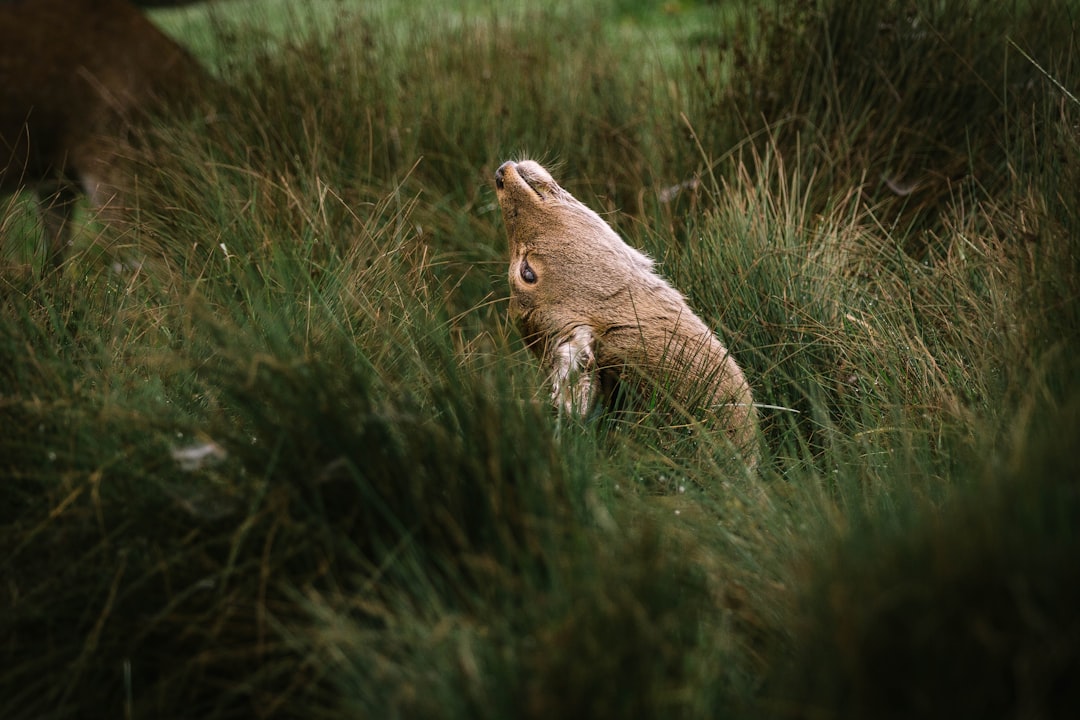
(876, 207)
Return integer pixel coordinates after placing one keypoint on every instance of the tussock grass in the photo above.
(941, 605)
(922, 106)
(388, 520)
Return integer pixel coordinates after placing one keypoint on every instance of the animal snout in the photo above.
(502, 171)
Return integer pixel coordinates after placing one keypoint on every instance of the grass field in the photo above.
(275, 450)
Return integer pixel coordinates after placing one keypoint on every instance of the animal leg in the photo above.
(57, 206)
(574, 384)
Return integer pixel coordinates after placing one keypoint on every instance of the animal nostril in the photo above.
(500, 172)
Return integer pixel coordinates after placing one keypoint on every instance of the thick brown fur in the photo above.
(76, 76)
(597, 314)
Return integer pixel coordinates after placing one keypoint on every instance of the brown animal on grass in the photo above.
(76, 78)
(598, 315)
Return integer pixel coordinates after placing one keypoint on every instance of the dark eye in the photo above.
(527, 273)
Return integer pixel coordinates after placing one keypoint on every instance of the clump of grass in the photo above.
(921, 106)
(968, 611)
(553, 653)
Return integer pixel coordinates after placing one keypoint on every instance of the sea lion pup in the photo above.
(592, 308)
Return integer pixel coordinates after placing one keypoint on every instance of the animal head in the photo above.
(567, 266)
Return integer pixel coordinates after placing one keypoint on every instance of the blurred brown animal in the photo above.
(76, 77)
(598, 315)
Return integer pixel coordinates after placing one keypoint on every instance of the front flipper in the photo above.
(574, 383)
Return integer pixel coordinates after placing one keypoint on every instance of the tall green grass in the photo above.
(389, 520)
